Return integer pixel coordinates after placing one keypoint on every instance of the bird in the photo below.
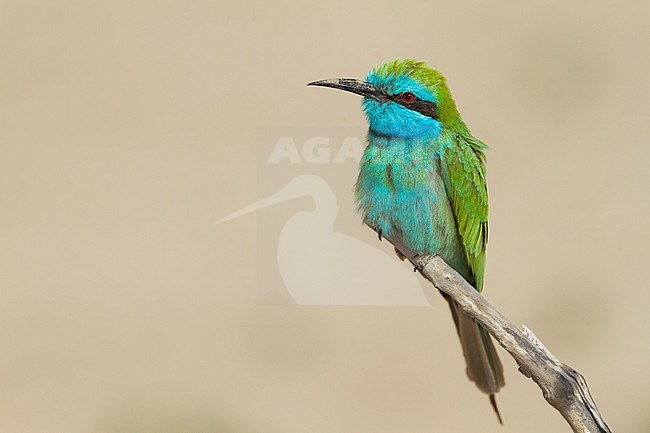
(422, 180)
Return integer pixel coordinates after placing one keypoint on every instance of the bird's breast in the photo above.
(400, 191)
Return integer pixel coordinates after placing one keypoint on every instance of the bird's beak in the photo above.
(353, 85)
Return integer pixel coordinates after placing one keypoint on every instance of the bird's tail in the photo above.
(483, 365)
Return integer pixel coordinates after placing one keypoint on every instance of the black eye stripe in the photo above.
(427, 108)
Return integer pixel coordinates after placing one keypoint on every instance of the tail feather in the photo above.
(483, 365)
(493, 402)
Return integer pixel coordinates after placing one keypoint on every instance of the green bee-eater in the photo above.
(422, 181)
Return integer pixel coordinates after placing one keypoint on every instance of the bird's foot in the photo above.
(420, 261)
(379, 232)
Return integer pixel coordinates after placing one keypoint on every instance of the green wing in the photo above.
(463, 166)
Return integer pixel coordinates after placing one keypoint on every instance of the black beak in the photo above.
(352, 85)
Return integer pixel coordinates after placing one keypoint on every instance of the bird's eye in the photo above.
(407, 97)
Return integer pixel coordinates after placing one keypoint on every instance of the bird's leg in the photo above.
(421, 260)
(379, 235)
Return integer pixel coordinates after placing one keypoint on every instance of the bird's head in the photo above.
(403, 98)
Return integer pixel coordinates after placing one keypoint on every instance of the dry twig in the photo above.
(562, 386)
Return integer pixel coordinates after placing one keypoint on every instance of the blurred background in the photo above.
(128, 128)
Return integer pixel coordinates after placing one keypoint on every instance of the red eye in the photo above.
(408, 97)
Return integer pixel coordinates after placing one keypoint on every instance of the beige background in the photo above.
(128, 128)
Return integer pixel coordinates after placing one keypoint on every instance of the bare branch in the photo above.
(562, 386)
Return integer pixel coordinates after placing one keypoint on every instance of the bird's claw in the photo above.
(379, 235)
(420, 261)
